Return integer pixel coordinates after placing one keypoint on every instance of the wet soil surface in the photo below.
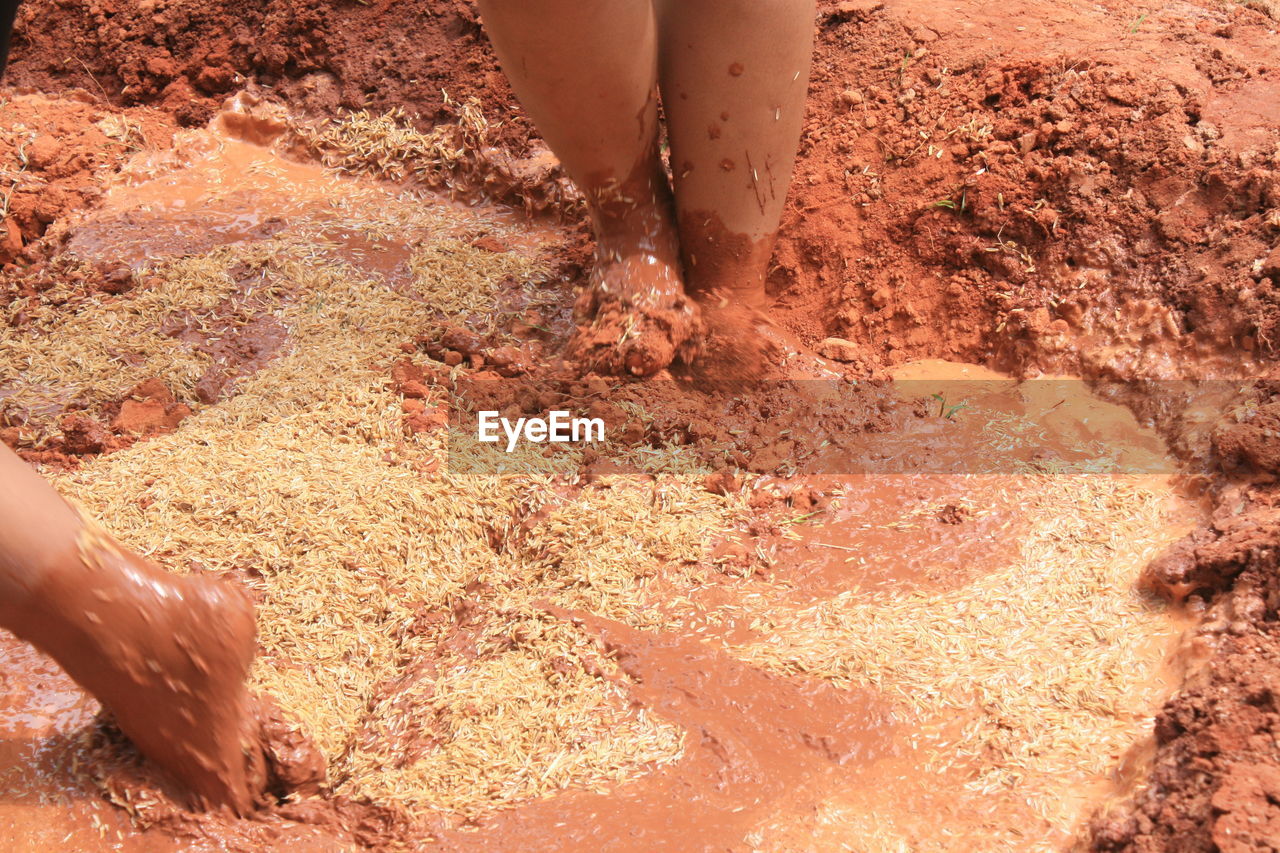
(764, 747)
(42, 806)
(1036, 186)
(759, 738)
(56, 155)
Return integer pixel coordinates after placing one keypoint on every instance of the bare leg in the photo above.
(587, 73)
(168, 655)
(734, 75)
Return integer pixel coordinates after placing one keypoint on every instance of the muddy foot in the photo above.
(168, 656)
(792, 360)
(641, 318)
(744, 344)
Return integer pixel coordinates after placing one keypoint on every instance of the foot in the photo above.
(745, 343)
(167, 655)
(641, 319)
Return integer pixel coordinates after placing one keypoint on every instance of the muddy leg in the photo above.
(587, 74)
(734, 76)
(168, 655)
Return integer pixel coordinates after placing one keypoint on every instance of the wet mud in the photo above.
(763, 746)
(757, 739)
(42, 804)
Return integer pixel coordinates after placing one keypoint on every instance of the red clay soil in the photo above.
(187, 58)
(1215, 781)
(55, 155)
(1035, 185)
(986, 181)
(959, 167)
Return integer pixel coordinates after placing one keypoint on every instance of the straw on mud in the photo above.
(387, 146)
(304, 482)
(459, 279)
(483, 702)
(89, 348)
(399, 611)
(92, 348)
(455, 156)
(1050, 653)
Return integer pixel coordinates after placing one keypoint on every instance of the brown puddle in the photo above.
(755, 742)
(959, 516)
(895, 529)
(923, 796)
(213, 188)
(981, 421)
(773, 760)
(210, 191)
(899, 533)
(43, 807)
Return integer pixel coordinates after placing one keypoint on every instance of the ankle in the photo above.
(635, 217)
(640, 232)
(722, 265)
(729, 290)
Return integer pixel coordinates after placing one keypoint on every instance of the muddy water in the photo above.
(787, 764)
(214, 189)
(922, 519)
(791, 761)
(923, 789)
(937, 501)
(210, 191)
(42, 806)
(755, 741)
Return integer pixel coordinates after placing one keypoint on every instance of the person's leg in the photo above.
(166, 654)
(587, 75)
(734, 74)
(8, 12)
